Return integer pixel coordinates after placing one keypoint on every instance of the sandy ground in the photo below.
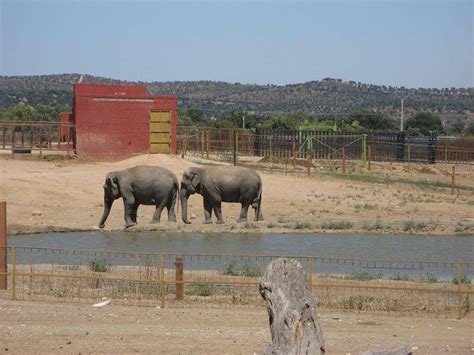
(58, 194)
(38, 327)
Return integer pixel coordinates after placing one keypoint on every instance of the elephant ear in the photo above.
(111, 181)
(195, 181)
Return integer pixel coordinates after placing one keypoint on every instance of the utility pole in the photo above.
(243, 120)
(402, 112)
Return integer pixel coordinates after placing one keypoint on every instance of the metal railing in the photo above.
(25, 137)
(181, 280)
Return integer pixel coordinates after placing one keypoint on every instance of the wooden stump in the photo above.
(293, 318)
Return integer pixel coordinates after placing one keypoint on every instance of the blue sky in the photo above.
(400, 43)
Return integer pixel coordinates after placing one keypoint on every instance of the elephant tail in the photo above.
(258, 203)
(177, 198)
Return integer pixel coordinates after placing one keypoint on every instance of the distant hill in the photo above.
(317, 97)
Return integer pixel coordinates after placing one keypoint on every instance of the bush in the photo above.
(99, 265)
(236, 268)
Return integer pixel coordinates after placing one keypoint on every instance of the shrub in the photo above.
(99, 265)
(235, 268)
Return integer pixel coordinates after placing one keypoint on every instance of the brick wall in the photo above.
(112, 121)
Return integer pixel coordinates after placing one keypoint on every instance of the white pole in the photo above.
(401, 120)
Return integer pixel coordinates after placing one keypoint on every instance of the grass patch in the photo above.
(464, 228)
(411, 225)
(358, 302)
(377, 226)
(363, 276)
(236, 268)
(429, 278)
(337, 225)
(366, 206)
(99, 265)
(271, 225)
(302, 225)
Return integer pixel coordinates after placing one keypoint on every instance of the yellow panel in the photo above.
(160, 138)
(160, 126)
(160, 132)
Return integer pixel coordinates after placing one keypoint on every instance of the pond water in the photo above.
(383, 247)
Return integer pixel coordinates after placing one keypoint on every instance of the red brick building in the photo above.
(116, 121)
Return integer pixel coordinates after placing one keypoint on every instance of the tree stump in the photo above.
(294, 322)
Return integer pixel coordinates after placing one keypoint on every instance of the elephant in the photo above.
(141, 185)
(222, 184)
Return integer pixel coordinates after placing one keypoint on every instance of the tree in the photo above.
(23, 112)
(458, 126)
(425, 122)
(195, 115)
(370, 120)
(469, 131)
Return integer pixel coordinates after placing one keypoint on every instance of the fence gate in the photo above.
(160, 132)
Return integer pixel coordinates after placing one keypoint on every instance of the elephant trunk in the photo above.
(107, 206)
(183, 197)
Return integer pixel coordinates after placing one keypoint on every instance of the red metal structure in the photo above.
(116, 121)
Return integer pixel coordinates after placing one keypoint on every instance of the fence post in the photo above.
(343, 160)
(162, 280)
(179, 264)
(309, 162)
(409, 152)
(3, 246)
(271, 147)
(14, 273)
(459, 290)
(369, 156)
(202, 143)
(453, 181)
(364, 149)
(207, 144)
(234, 146)
(310, 274)
(293, 149)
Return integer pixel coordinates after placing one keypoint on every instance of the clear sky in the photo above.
(417, 43)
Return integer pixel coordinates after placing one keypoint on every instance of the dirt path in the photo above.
(67, 194)
(40, 327)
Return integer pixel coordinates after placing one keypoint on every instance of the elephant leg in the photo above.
(129, 210)
(171, 212)
(157, 215)
(218, 212)
(207, 210)
(243, 213)
(134, 213)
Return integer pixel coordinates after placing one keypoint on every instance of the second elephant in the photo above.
(222, 184)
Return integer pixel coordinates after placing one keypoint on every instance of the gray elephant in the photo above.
(222, 184)
(141, 185)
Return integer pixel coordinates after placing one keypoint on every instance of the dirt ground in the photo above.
(58, 194)
(39, 327)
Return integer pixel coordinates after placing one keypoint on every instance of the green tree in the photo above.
(469, 131)
(279, 121)
(23, 112)
(425, 122)
(458, 126)
(370, 120)
(195, 115)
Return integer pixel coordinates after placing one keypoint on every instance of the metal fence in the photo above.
(25, 137)
(273, 145)
(182, 280)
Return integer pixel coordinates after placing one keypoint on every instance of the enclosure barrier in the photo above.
(292, 146)
(26, 137)
(181, 280)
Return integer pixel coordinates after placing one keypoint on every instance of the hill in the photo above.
(316, 97)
